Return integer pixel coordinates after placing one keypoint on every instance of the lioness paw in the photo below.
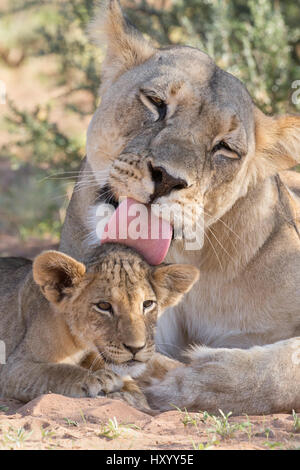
(223, 379)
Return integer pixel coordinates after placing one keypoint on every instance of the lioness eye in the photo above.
(155, 101)
(222, 149)
(104, 307)
(148, 304)
(160, 106)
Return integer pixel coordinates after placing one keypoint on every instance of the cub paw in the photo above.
(131, 394)
(89, 386)
(99, 383)
(109, 381)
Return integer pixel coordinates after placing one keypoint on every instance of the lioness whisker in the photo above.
(214, 250)
(221, 245)
(227, 226)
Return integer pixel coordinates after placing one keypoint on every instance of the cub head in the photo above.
(111, 305)
(174, 128)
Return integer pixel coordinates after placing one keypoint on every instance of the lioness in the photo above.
(173, 127)
(93, 324)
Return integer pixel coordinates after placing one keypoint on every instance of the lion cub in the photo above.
(89, 326)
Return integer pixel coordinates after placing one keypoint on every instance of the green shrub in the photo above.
(256, 40)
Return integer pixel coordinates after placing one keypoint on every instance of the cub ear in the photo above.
(54, 272)
(172, 281)
(278, 140)
(126, 47)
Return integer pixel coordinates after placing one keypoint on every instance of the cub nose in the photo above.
(133, 349)
(164, 183)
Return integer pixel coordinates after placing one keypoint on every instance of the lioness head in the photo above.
(172, 127)
(111, 305)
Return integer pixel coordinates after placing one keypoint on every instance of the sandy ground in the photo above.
(57, 422)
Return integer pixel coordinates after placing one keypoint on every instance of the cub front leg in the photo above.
(260, 380)
(25, 381)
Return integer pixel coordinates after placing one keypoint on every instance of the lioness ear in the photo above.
(126, 47)
(173, 281)
(54, 272)
(278, 140)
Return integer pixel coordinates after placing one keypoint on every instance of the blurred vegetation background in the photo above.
(52, 75)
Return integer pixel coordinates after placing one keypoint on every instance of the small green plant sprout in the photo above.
(205, 445)
(16, 437)
(222, 426)
(273, 445)
(83, 417)
(47, 433)
(268, 432)
(111, 430)
(71, 423)
(186, 418)
(247, 427)
(204, 416)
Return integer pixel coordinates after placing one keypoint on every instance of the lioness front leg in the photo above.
(25, 381)
(157, 368)
(260, 380)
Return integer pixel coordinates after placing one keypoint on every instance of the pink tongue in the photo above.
(135, 225)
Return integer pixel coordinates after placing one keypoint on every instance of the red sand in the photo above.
(58, 422)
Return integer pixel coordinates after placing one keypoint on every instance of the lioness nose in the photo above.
(164, 182)
(134, 350)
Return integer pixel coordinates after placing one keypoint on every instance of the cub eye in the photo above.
(104, 307)
(149, 305)
(222, 149)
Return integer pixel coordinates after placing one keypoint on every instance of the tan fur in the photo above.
(277, 141)
(126, 47)
(60, 342)
(246, 306)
